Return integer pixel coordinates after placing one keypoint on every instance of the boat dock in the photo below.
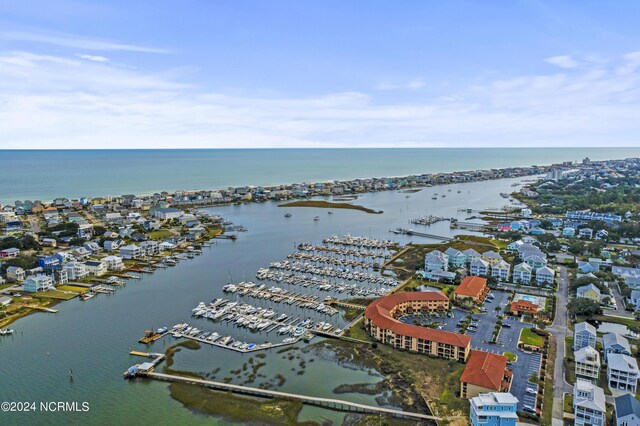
(152, 337)
(335, 404)
(470, 226)
(403, 231)
(261, 347)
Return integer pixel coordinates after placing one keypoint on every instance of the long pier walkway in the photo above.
(402, 231)
(336, 404)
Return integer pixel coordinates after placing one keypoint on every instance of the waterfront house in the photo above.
(479, 267)
(494, 409)
(613, 343)
(75, 270)
(522, 273)
(114, 263)
(485, 372)
(545, 274)
(36, 283)
(622, 372)
(589, 405)
(457, 259)
(16, 273)
(589, 291)
(587, 362)
(501, 270)
(584, 335)
(166, 245)
(131, 251)
(436, 261)
(150, 248)
(95, 267)
(471, 287)
(627, 410)
(10, 252)
(5, 300)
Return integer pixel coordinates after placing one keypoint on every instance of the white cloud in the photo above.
(94, 58)
(411, 85)
(76, 42)
(565, 61)
(80, 103)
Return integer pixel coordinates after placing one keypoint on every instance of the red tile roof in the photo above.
(524, 306)
(472, 286)
(379, 312)
(486, 370)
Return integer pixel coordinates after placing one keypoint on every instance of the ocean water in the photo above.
(45, 175)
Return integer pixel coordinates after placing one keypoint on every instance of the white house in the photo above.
(95, 267)
(584, 334)
(436, 261)
(167, 214)
(522, 273)
(515, 246)
(36, 283)
(587, 363)
(112, 245)
(479, 267)
(622, 372)
(16, 273)
(635, 299)
(150, 248)
(75, 270)
(501, 270)
(545, 275)
(114, 263)
(85, 230)
(471, 254)
(131, 251)
(589, 404)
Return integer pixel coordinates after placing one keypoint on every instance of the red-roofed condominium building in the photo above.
(485, 372)
(472, 288)
(524, 307)
(381, 320)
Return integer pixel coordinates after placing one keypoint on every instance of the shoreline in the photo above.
(518, 171)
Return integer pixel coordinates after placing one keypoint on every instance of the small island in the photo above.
(329, 205)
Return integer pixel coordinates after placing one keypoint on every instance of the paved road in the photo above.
(619, 311)
(560, 331)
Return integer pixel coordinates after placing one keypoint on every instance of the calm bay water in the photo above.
(94, 337)
(45, 175)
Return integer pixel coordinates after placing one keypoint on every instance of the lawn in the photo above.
(528, 337)
(56, 294)
(511, 356)
(73, 288)
(160, 234)
(568, 403)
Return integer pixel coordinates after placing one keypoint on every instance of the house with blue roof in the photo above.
(627, 410)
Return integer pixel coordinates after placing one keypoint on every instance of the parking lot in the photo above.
(526, 364)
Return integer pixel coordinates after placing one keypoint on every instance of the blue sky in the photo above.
(167, 74)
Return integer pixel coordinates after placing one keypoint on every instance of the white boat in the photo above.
(316, 218)
(6, 331)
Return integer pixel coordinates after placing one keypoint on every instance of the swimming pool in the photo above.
(528, 298)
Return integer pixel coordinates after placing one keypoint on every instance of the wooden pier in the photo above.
(335, 404)
(402, 231)
(470, 226)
